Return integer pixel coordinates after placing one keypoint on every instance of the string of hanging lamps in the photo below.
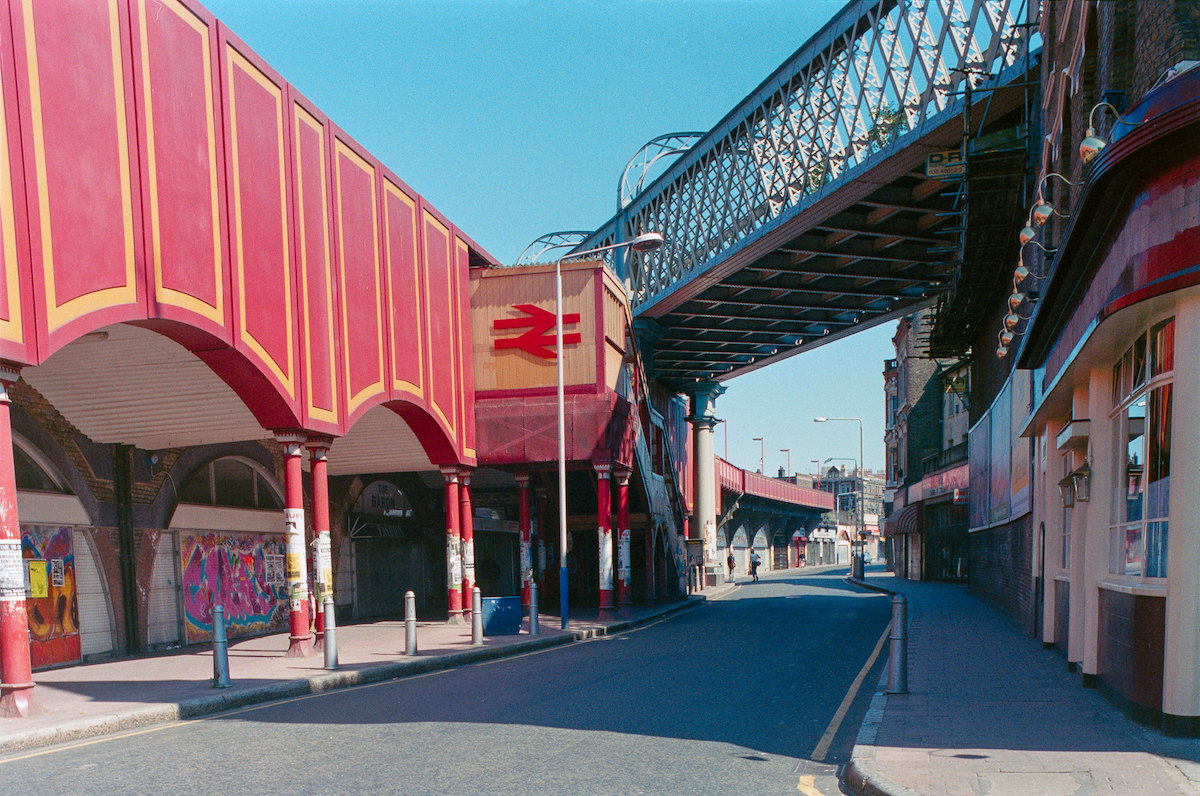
(1039, 213)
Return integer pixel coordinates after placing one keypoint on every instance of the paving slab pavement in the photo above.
(88, 700)
(989, 711)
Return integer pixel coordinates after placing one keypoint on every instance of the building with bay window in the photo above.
(1077, 299)
(1114, 350)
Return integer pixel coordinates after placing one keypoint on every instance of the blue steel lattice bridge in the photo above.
(807, 214)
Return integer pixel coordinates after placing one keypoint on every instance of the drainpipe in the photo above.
(123, 497)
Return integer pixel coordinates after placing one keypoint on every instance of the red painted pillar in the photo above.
(318, 451)
(466, 524)
(604, 533)
(624, 595)
(526, 549)
(454, 602)
(16, 670)
(299, 641)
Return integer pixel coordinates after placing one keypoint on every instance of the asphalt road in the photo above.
(736, 696)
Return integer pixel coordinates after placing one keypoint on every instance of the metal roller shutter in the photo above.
(95, 606)
(163, 602)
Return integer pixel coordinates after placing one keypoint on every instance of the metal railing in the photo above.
(940, 461)
(879, 75)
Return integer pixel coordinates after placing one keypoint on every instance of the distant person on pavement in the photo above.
(754, 562)
(730, 561)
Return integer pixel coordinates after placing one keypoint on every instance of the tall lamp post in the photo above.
(646, 242)
(858, 468)
(762, 453)
(788, 472)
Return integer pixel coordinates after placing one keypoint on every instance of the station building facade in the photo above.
(210, 290)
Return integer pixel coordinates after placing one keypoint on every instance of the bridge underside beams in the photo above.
(877, 248)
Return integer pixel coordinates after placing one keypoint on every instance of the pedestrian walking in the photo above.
(754, 562)
(730, 562)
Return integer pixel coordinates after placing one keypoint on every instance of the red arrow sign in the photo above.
(540, 334)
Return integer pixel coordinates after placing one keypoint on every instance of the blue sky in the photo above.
(515, 118)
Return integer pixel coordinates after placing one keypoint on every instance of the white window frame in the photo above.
(1126, 394)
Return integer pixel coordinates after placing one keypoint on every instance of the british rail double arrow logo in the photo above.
(538, 339)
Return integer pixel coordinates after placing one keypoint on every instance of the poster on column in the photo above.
(468, 556)
(297, 569)
(606, 562)
(323, 561)
(526, 561)
(12, 570)
(453, 561)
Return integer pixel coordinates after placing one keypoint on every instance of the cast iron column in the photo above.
(624, 596)
(454, 596)
(299, 641)
(523, 523)
(16, 670)
(604, 534)
(704, 472)
(318, 451)
(466, 528)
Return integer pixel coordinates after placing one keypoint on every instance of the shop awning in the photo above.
(907, 520)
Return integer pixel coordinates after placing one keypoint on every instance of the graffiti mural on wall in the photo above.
(247, 569)
(51, 597)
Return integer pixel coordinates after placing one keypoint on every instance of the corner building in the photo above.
(1113, 350)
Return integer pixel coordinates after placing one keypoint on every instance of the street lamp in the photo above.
(646, 242)
(762, 452)
(788, 472)
(858, 469)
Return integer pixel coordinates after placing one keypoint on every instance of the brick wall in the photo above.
(88, 468)
(1001, 572)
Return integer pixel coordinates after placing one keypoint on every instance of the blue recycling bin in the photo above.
(501, 616)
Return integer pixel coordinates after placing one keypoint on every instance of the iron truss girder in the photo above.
(822, 164)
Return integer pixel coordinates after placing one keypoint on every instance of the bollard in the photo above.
(533, 609)
(898, 647)
(220, 649)
(410, 623)
(331, 657)
(476, 617)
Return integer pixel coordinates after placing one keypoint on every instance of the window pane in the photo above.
(197, 488)
(1139, 362)
(235, 483)
(1158, 454)
(266, 495)
(1117, 395)
(1126, 369)
(1134, 462)
(1156, 550)
(1162, 348)
(29, 474)
(1133, 550)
